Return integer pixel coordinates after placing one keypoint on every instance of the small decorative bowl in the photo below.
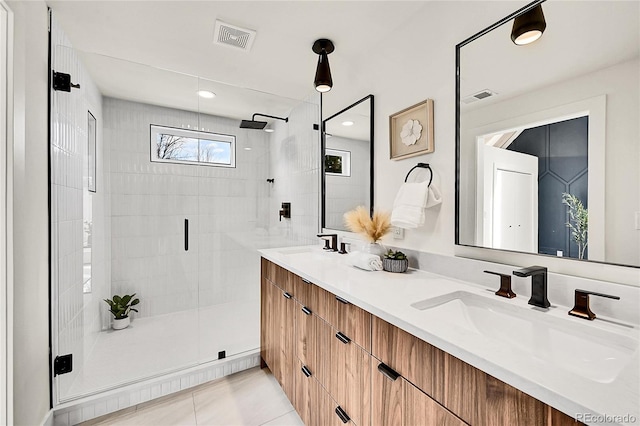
(395, 265)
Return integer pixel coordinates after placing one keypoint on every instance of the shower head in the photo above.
(252, 124)
(259, 125)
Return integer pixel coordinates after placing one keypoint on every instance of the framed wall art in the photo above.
(411, 131)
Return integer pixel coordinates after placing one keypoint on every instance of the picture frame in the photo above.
(337, 162)
(417, 139)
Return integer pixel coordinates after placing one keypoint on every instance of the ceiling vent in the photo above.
(483, 94)
(233, 36)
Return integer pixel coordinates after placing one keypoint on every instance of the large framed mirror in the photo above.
(347, 162)
(547, 137)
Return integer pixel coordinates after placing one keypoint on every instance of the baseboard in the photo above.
(88, 408)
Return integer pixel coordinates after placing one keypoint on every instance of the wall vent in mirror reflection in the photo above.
(559, 116)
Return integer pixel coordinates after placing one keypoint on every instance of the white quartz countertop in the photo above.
(389, 296)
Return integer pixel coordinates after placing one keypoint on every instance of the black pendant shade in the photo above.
(323, 81)
(528, 27)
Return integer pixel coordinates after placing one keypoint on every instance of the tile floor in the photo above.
(252, 397)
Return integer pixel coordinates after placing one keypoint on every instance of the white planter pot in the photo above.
(119, 324)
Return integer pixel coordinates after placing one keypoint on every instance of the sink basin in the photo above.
(298, 250)
(581, 349)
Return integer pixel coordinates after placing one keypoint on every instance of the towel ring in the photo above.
(421, 166)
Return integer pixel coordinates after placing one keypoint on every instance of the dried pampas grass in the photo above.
(373, 229)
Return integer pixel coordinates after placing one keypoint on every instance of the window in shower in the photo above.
(173, 145)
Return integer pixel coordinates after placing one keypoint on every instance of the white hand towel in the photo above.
(366, 261)
(434, 197)
(408, 207)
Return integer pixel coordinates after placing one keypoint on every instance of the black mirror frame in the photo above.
(458, 47)
(371, 155)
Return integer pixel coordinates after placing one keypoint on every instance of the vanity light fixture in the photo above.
(323, 81)
(347, 123)
(529, 26)
(207, 94)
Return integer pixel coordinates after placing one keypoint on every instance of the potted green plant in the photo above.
(395, 261)
(120, 308)
(578, 222)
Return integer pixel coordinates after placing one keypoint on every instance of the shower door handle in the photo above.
(186, 235)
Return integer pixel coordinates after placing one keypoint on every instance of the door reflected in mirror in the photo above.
(347, 173)
(548, 137)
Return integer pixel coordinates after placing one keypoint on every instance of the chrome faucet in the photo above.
(334, 241)
(538, 276)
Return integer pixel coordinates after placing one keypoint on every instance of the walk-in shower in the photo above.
(156, 191)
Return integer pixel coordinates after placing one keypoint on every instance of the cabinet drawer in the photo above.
(326, 409)
(420, 409)
(303, 400)
(412, 358)
(387, 398)
(277, 275)
(347, 374)
(346, 317)
(306, 292)
(306, 341)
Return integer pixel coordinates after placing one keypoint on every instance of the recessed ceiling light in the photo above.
(269, 130)
(206, 94)
(347, 123)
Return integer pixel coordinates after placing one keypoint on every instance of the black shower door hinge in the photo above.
(316, 126)
(62, 81)
(63, 364)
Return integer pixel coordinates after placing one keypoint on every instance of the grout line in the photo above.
(275, 418)
(195, 413)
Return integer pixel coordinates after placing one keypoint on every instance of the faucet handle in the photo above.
(505, 285)
(581, 305)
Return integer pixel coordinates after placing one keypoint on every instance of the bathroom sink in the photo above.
(298, 250)
(581, 349)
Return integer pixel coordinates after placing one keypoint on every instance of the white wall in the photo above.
(345, 193)
(30, 187)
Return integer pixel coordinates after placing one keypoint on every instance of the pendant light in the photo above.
(323, 81)
(529, 26)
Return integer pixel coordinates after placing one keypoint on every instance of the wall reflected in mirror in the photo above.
(549, 142)
(347, 162)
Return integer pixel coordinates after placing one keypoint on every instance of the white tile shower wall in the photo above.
(295, 166)
(76, 315)
(344, 193)
(150, 202)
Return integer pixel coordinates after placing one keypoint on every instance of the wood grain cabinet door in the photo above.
(420, 409)
(387, 396)
(305, 292)
(305, 340)
(303, 400)
(286, 349)
(348, 375)
(326, 409)
(269, 324)
(348, 318)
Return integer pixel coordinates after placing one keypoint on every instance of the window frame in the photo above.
(156, 129)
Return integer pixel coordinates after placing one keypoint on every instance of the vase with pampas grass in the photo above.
(371, 228)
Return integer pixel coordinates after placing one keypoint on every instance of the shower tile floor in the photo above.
(158, 345)
(252, 397)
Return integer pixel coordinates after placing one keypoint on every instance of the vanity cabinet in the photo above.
(325, 352)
